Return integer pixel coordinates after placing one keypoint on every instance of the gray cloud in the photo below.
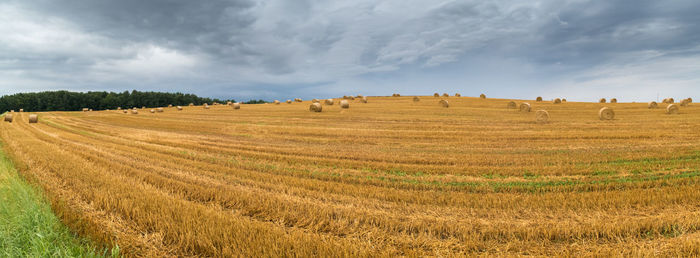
(276, 49)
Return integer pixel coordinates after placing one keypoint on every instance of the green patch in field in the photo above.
(604, 173)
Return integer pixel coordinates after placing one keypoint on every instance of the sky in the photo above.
(634, 50)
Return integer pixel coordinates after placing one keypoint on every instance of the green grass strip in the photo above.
(28, 227)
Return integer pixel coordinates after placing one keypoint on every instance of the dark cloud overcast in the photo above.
(282, 49)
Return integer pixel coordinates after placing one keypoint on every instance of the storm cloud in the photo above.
(581, 50)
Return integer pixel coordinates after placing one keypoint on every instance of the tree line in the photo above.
(100, 100)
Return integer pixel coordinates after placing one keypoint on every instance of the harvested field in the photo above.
(391, 177)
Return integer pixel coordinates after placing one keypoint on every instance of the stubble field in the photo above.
(386, 178)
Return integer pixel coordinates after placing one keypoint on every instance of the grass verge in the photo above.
(28, 227)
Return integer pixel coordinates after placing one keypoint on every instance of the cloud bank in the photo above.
(582, 50)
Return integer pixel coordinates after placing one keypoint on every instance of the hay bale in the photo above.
(512, 105)
(298, 100)
(557, 101)
(289, 101)
(86, 109)
(12, 111)
(653, 104)
(525, 107)
(159, 110)
(344, 104)
(539, 99)
(690, 100)
(458, 95)
(135, 111)
(445, 95)
(153, 111)
(602, 100)
(90, 110)
(119, 108)
(191, 104)
(206, 106)
(360, 96)
(396, 95)
(125, 111)
(236, 105)
(315, 101)
(444, 103)
(277, 102)
(563, 100)
(315, 107)
(613, 100)
(329, 102)
(21, 110)
(606, 113)
(143, 107)
(685, 102)
(363, 99)
(482, 96)
(672, 109)
(416, 99)
(670, 101)
(179, 108)
(437, 95)
(228, 103)
(542, 116)
(8, 118)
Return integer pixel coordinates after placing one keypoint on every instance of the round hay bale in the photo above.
(542, 116)
(344, 104)
(670, 101)
(298, 100)
(126, 112)
(690, 100)
(525, 107)
(653, 104)
(90, 110)
(206, 106)
(119, 108)
(563, 100)
(360, 96)
(458, 95)
(329, 102)
(315, 101)
(602, 100)
(416, 99)
(557, 101)
(445, 95)
(135, 111)
(153, 111)
(539, 99)
(228, 103)
(606, 113)
(685, 102)
(179, 108)
(437, 95)
(8, 118)
(363, 99)
(444, 103)
(191, 104)
(21, 110)
(396, 95)
(482, 96)
(84, 110)
(236, 105)
(613, 100)
(512, 105)
(143, 107)
(315, 107)
(672, 109)
(159, 110)
(289, 101)
(277, 102)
